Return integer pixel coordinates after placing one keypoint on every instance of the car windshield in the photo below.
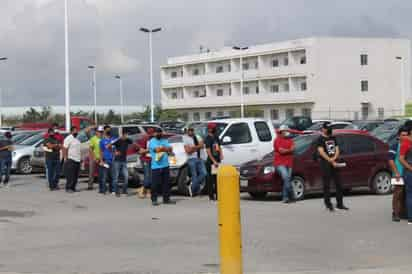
(303, 142)
(316, 126)
(386, 131)
(201, 129)
(32, 140)
(20, 137)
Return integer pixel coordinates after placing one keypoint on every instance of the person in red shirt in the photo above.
(146, 160)
(405, 159)
(283, 161)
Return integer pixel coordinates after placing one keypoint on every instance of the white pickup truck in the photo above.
(243, 140)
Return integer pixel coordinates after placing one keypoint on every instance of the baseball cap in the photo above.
(158, 130)
(283, 128)
(100, 128)
(211, 126)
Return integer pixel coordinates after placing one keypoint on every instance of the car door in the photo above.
(359, 156)
(265, 138)
(238, 145)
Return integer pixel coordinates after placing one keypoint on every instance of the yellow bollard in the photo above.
(229, 220)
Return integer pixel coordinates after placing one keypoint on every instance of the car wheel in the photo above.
(24, 166)
(134, 181)
(298, 187)
(183, 181)
(382, 183)
(258, 195)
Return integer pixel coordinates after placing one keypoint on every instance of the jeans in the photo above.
(147, 171)
(407, 177)
(211, 182)
(53, 173)
(198, 172)
(160, 180)
(104, 175)
(5, 167)
(330, 173)
(286, 174)
(92, 169)
(72, 169)
(120, 167)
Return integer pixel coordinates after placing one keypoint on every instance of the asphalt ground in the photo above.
(56, 232)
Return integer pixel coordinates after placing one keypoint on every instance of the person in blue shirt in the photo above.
(106, 159)
(160, 149)
(397, 170)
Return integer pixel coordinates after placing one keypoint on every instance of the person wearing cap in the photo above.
(146, 161)
(328, 150)
(94, 155)
(120, 148)
(283, 161)
(193, 148)
(106, 160)
(53, 165)
(160, 149)
(6, 147)
(214, 157)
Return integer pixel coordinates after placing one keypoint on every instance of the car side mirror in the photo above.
(227, 140)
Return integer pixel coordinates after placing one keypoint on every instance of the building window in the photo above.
(230, 91)
(245, 90)
(203, 93)
(274, 88)
(219, 69)
(303, 60)
(274, 114)
(185, 116)
(196, 116)
(219, 92)
(173, 74)
(307, 112)
(256, 64)
(257, 89)
(286, 87)
(196, 94)
(219, 114)
(174, 95)
(229, 68)
(286, 61)
(381, 113)
(245, 66)
(364, 85)
(275, 63)
(196, 72)
(208, 115)
(303, 86)
(365, 112)
(290, 112)
(364, 59)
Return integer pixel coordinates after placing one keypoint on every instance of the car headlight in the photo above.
(268, 169)
(172, 160)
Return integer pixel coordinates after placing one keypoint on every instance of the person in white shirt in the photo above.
(71, 154)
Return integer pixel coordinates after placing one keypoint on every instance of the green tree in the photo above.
(111, 118)
(45, 113)
(32, 115)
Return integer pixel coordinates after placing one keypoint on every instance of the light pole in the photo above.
(121, 98)
(66, 61)
(242, 102)
(94, 85)
(1, 97)
(150, 32)
(402, 84)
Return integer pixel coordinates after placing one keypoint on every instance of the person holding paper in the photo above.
(328, 150)
(214, 157)
(397, 181)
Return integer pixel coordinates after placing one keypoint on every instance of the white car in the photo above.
(242, 140)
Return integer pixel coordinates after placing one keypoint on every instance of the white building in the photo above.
(325, 77)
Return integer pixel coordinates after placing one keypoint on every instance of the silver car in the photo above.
(22, 154)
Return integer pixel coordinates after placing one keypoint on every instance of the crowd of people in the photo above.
(108, 158)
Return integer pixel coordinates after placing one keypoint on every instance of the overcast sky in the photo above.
(105, 33)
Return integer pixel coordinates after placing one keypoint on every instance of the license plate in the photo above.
(243, 183)
(131, 165)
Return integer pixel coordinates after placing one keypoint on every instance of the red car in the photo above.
(365, 156)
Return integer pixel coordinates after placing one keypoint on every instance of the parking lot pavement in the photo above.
(55, 232)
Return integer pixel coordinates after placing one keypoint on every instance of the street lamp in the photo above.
(242, 103)
(66, 61)
(150, 32)
(121, 98)
(402, 85)
(1, 97)
(94, 85)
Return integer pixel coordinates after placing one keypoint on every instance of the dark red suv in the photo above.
(365, 156)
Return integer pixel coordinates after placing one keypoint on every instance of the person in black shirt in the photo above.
(6, 147)
(214, 157)
(53, 146)
(120, 147)
(328, 150)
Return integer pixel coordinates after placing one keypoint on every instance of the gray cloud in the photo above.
(105, 33)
